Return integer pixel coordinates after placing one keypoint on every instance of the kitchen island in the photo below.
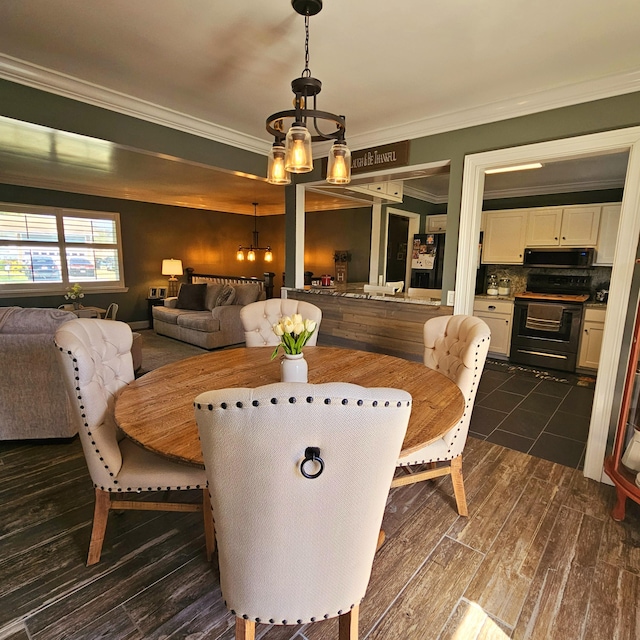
(391, 324)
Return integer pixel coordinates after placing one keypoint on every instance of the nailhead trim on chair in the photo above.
(293, 400)
(467, 400)
(86, 425)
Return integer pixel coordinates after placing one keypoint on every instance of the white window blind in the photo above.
(47, 249)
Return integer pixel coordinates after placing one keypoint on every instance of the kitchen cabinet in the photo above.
(607, 234)
(498, 314)
(563, 226)
(504, 236)
(580, 226)
(591, 338)
(543, 228)
(437, 224)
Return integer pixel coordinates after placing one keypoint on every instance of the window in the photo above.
(46, 249)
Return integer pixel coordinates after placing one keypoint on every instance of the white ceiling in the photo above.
(397, 71)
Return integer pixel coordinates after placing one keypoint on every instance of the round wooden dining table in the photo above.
(156, 410)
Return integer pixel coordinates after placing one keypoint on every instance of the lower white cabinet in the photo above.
(591, 338)
(498, 314)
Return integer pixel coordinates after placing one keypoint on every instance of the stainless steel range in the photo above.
(547, 319)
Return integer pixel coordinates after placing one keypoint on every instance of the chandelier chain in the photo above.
(307, 71)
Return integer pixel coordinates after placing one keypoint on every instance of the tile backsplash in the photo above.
(600, 276)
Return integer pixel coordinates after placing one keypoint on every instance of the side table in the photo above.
(153, 302)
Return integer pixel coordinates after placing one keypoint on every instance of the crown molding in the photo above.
(424, 195)
(518, 106)
(38, 77)
(35, 76)
(568, 187)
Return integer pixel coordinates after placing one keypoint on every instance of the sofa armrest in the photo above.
(227, 313)
(171, 302)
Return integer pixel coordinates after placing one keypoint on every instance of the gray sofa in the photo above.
(208, 316)
(33, 399)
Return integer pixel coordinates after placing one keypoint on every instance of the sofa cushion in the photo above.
(226, 297)
(214, 289)
(171, 315)
(192, 296)
(199, 322)
(246, 293)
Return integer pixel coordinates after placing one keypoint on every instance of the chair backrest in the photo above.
(457, 346)
(294, 549)
(95, 357)
(259, 317)
(112, 311)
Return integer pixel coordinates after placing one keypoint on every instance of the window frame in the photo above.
(21, 289)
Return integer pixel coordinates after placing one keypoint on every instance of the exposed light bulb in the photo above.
(339, 167)
(276, 173)
(298, 158)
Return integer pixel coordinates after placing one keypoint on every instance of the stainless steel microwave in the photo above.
(560, 258)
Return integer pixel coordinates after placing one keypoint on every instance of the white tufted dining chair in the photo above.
(95, 356)
(259, 317)
(295, 549)
(457, 347)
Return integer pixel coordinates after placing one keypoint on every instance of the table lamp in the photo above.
(172, 268)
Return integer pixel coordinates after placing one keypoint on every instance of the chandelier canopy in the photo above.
(291, 150)
(255, 245)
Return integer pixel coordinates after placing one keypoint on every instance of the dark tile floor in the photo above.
(543, 417)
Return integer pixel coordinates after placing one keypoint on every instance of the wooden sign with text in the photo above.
(383, 157)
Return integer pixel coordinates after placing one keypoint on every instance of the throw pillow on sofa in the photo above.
(214, 289)
(226, 297)
(246, 293)
(191, 296)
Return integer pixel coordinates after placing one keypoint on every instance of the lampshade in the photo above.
(268, 256)
(298, 158)
(276, 173)
(172, 267)
(339, 167)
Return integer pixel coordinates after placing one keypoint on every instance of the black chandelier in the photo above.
(251, 250)
(291, 150)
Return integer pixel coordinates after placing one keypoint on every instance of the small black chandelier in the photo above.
(291, 150)
(251, 250)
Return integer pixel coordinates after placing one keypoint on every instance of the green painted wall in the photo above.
(204, 240)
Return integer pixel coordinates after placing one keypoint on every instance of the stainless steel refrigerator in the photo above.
(426, 260)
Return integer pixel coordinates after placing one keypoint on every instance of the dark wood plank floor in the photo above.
(538, 558)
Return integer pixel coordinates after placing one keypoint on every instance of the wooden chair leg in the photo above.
(209, 529)
(245, 629)
(458, 485)
(100, 516)
(348, 624)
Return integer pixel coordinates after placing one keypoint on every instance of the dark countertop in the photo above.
(357, 292)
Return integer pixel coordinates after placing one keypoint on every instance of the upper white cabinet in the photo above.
(563, 227)
(437, 224)
(580, 226)
(504, 236)
(543, 228)
(608, 234)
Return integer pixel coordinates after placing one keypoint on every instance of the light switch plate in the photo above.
(451, 298)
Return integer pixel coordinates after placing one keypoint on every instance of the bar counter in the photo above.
(391, 324)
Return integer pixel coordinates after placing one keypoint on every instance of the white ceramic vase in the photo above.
(293, 368)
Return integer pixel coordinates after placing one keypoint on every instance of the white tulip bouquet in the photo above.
(294, 333)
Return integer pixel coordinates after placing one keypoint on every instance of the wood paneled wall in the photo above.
(381, 326)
